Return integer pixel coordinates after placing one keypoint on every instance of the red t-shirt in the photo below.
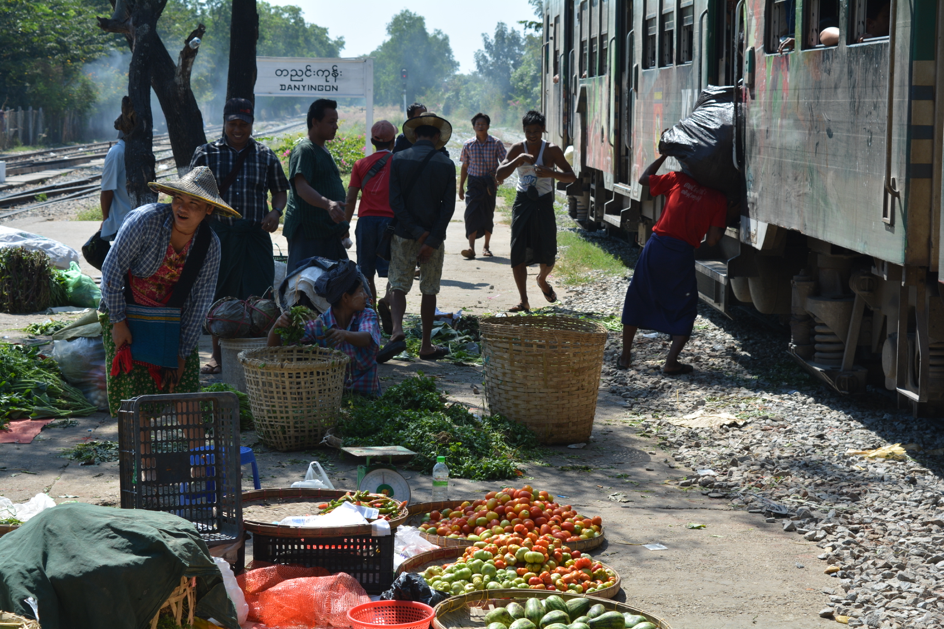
(375, 198)
(690, 208)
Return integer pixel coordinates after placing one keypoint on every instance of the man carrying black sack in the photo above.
(245, 172)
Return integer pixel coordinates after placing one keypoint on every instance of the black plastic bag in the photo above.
(703, 143)
(95, 249)
(412, 587)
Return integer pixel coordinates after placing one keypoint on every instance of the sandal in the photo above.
(439, 352)
(211, 368)
(519, 308)
(619, 364)
(468, 254)
(681, 371)
(549, 294)
(386, 317)
(486, 252)
(390, 350)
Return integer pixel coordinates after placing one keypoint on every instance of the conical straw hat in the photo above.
(200, 184)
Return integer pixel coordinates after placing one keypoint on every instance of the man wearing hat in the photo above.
(423, 199)
(402, 143)
(371, 178)
(246, 171)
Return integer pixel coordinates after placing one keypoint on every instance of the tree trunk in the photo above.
(243, 34)
(139, 154)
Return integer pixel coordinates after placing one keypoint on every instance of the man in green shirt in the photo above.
(314, 217)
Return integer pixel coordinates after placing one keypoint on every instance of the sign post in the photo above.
(319, 78)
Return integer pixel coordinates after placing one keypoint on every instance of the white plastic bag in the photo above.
(60, 255)
(82, 363)
(232, 588)
(314, 479)
(26, 510)
(409, 543)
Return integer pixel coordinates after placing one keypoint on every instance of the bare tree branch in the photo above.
(186, 58)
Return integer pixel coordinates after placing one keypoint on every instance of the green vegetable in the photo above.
(534, 610)
(596, 610)
(46, 328)
(246, 421)
(414, 414)
(516, 610)
(31, 387)
(93, 452)
(299, 316)
(25, 280)
(523, 623)
(609, 620)
(499, 614)
(553, 602)
(632, 620)
(577, 607)
(554, 617)
(10, 522)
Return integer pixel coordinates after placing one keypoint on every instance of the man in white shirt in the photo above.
(114, 196)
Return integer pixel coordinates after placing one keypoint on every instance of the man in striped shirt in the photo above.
(480, 159)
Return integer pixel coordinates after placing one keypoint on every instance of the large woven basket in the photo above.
(294, 393)
(544, 372)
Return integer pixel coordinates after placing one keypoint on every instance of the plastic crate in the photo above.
(180, 454)
(368, 559)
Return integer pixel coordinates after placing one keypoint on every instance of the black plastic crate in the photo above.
(179, 454)
(368, 559)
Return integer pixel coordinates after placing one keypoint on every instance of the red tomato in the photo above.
(575, 554)
(529, 524)
(435, 516)
(535, 581)
(540, 521)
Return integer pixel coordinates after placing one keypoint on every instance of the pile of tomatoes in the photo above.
(524, 512)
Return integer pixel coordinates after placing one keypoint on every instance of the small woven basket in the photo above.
(294, 392)
(544, 372)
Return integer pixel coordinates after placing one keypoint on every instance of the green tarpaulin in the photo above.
(90, 567)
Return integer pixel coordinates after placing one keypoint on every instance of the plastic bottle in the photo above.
(440, 480)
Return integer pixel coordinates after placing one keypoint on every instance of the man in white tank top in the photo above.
(533, 226)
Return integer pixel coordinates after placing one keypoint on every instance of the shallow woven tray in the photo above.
(314, 495)
(8, 528)
(468, 610)
(544, 372)
(294, 393)
(442, 556)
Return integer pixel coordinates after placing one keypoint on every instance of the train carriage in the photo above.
(838, 130)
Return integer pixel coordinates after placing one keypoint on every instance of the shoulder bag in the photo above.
(383, 248)
(155, 330)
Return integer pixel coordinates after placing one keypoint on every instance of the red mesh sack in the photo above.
(262, 575)
(311, 602)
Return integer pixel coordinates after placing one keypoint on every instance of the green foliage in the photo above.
(25, 280)
(31, 386)
(299, 316)
(45, 328)
(92, 452)
(578, 257)
(499, 56)
(415, 415)
(246, 421)
(43, 47)
(346, 148)
(426, 56)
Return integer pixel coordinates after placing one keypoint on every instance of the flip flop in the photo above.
(468, 254)
(487, 253)
(386, 317)
(620, 366)
(390, 350)
(440, 352)
(211, 368)
(549, 294)
(519, 308)
(681, 371)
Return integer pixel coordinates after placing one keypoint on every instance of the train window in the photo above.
(686, 34)
(668, 38)
(868, 19)
(781, 25)
(583, 59)
(556, 46)
(649, 54)
(592, 65)
(822, 23)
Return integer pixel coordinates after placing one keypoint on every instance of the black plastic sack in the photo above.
(412, 587)
(703, 143)
(95, 249)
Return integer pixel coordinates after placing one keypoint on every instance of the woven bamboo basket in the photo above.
(467, 611)
(443, 556)
(180, 604)
(315, 495)
(10, 620)
(544, 372)
(294, 393)
(8, 528)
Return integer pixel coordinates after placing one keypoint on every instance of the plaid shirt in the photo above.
(140, 247)
(261, 173)
(483, 158)
(362, 372)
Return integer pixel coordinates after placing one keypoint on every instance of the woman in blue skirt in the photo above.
(663, 295)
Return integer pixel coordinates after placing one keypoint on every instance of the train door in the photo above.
(555, 71)
(627, 83)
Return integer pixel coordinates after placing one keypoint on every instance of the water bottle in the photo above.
(440, 480)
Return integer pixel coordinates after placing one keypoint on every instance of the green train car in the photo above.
(838, 141)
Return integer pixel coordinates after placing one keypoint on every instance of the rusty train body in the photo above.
(837, 229)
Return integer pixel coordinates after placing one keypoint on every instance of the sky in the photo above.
(363, 23)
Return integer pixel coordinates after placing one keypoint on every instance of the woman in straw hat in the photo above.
(157, 285)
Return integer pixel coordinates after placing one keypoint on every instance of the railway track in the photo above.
(35, 198)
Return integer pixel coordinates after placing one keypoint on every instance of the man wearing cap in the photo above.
(314, 220)
(371, 178)
(423, 199)
(246, 171)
